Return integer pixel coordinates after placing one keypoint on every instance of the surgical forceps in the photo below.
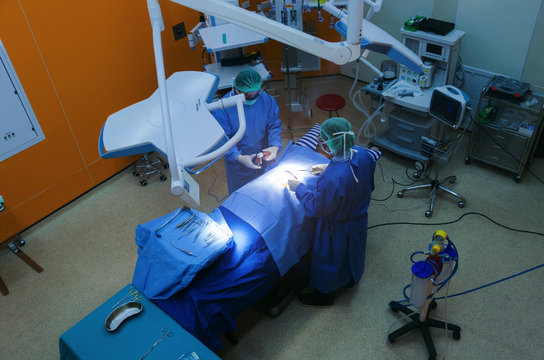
(185, 222)
(166, 223)
(135, 294)
(165, 333)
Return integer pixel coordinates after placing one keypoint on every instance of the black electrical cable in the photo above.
(202, 56)
(212, 185)
(454, 221)
(393, 182)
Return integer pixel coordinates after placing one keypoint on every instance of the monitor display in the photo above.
(446, 108)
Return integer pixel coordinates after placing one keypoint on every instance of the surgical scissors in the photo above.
(165, 333)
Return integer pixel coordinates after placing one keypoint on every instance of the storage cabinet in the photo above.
(506, 129)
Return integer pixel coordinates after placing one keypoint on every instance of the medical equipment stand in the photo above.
(422, 322)
(439, 154)
(12, 243)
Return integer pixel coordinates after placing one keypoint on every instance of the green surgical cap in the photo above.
(248, 80)
(336, 142)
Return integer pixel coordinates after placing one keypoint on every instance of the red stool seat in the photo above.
(330, 103)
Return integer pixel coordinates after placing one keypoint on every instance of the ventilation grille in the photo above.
(412, 44)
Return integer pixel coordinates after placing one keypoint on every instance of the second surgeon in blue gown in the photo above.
(262, 135)
(340, 202)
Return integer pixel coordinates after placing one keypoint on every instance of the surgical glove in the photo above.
(270, 153)
(318, 169)
(247, 161)
(293, 183)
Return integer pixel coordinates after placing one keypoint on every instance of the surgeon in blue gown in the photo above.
(340, 202)
(262, 135)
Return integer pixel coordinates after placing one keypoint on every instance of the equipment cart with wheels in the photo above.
(507, 125)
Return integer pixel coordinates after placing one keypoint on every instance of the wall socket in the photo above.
(179, 31)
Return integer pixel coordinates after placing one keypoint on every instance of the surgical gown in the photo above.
(340, 204)
(263, 129)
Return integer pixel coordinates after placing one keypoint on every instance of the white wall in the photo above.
(502, 36)
(498, 33)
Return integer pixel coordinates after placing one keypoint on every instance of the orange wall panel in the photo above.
(80, 62)
(15, 219)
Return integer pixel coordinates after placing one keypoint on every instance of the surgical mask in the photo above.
(328, 152)
(251, 97)
(251, 102)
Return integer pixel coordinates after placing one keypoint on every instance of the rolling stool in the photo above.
(330, 103)
(148, 165)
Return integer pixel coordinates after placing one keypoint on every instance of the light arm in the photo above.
(157, 26)
(339, 52)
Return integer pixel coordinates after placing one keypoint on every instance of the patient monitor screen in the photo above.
(446, 109)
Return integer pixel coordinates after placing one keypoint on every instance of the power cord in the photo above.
(457, 220)
(212, 185)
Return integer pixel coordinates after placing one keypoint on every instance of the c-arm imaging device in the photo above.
(176, 119)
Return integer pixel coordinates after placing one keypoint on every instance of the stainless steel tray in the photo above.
(121, 313)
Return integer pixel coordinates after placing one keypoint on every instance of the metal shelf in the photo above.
(495, 144)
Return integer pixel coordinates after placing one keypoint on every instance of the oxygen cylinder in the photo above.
(422, 272)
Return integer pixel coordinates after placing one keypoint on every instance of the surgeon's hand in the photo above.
(270, 153)
(293, 183)
(247, 161)
(318, 169)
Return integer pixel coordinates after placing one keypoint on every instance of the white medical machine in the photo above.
(176, 120)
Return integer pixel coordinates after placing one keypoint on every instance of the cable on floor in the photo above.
(212, 185)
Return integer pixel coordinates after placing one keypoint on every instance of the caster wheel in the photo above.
(135, 174)
(428, 213)
(517, 178)
(416, 174)
(162, 178)
(21, 242)
(391, 339)
(394, 307)
(143, 182)
(400, 194)
(467, 160)
(461, 204)
(433, 305)
(166, 166)
(456, 335)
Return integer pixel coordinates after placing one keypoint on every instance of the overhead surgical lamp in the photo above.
(176, 119)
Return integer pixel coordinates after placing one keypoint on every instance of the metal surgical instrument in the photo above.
(166, 223)
(202, 226)
(165, 333)
(293, 175)
(132, 293)
(186, 221)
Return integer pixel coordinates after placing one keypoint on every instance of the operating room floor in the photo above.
(88, 253)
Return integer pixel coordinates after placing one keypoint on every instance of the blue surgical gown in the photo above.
(340, 204)
(263, 129)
